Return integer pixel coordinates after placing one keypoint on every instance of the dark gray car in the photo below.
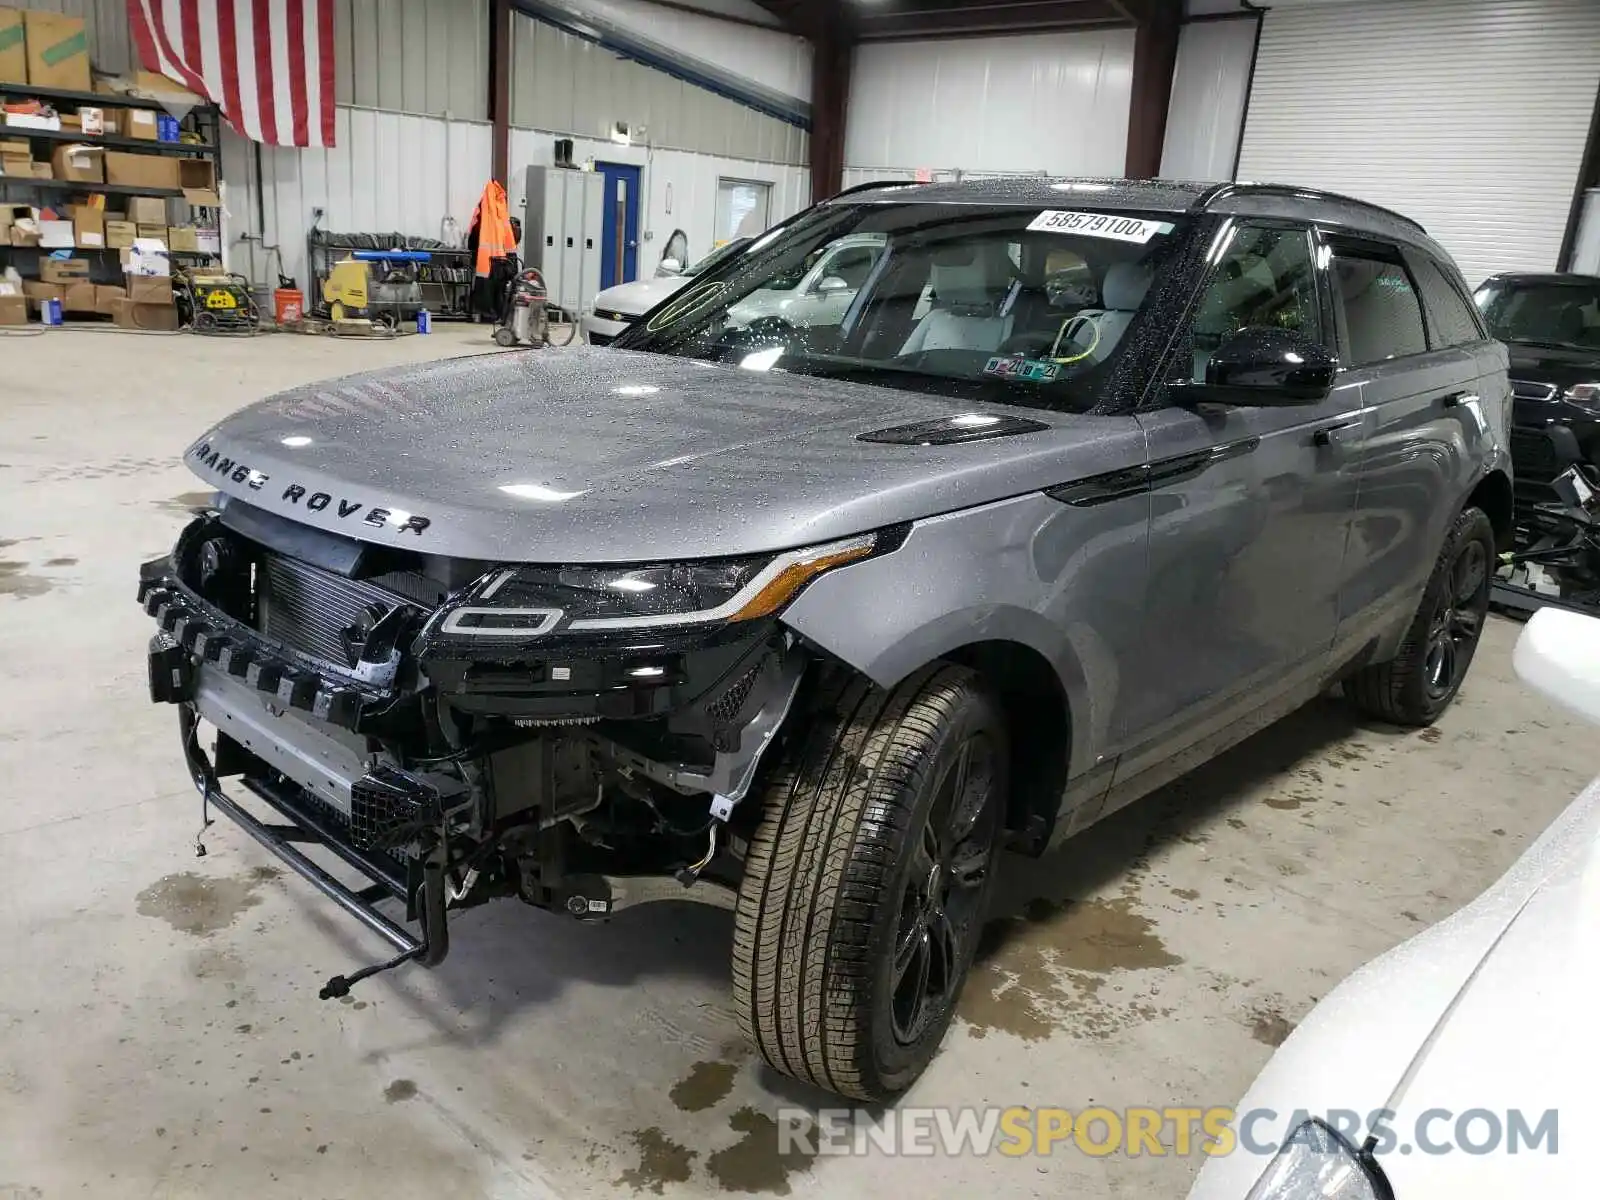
(811, 621)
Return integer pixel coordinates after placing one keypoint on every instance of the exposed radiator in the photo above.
(320, 613)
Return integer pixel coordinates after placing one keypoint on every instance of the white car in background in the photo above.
(1480, 1023)
(618, 307)
(820, 290)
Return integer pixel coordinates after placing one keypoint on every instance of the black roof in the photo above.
(1158, 195)
(1546, 277)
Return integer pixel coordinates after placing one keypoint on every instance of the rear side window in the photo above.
(1451, 319)
(1382, 314)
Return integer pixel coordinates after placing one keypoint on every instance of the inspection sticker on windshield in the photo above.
(1104, 225)
(1015, 366)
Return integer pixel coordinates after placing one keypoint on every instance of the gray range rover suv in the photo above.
(1090, 480)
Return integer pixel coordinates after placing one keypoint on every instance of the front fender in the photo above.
(1064, 582)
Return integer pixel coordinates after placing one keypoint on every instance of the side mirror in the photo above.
(1558, 656)
(1263, 365)
(832, 283)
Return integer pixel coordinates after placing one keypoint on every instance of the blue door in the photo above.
(619, 243)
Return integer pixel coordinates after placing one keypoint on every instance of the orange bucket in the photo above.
(288, 306)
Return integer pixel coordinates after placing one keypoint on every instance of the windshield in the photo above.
(1546, 313)
(717, 257)
(1012, 305)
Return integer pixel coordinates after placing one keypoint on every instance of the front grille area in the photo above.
(311, 609)
(1527, 389)
(1533, 455)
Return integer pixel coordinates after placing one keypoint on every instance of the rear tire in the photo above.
(867, 878)
(1419, 682)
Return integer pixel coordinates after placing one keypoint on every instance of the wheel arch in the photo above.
(1493, 494)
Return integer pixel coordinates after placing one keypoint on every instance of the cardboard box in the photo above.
(31, 121)
(89, 226)
(16, 166)
(63, 270)
(131, 315)
(183, 237)
(78, 297)
(37, 293)
(141, 170)
(150, 289)
(147, 210)
(106, 297)
(146, 257)
(14, 234)
(197, 174)
(79, 164)
(13, 310)
(168, 89)
(208, 241)
(151, 233)
(13, 47)
(138, 123)
(14, 148)
(120, 233)
(92, 120)
(58, 51)
(57, 235)
(43, 170)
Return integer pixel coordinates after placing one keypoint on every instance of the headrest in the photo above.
(1125, 286)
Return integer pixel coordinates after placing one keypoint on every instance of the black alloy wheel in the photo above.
(940, 908)
(1458, 617)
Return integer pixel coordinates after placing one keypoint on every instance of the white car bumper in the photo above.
(602, 330)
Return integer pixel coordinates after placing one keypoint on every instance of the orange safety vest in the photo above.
(494, 227)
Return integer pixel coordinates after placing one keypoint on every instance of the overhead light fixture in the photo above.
(636, 389)
(297, 441)
(974, 420)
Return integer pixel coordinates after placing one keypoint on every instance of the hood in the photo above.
(604, 455)
(639, 297)
(1553, 364)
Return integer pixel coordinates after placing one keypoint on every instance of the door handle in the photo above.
(1334, 435)
(1455, 399)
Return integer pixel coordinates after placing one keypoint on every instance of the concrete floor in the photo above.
(159, 1028)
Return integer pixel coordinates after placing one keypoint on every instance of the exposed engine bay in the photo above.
(1556, 558)
(457, 731)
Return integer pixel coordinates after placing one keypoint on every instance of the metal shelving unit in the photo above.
(203, 121)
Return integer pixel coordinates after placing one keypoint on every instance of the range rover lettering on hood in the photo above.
(241, 472)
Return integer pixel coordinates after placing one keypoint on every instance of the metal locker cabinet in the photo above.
(594, 204)
(572, 240)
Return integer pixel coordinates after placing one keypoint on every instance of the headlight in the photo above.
(1317, 1164)
(1585, 394)
(527, 602)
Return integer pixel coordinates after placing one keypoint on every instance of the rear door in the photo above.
(1425, 426)
(1250, 512)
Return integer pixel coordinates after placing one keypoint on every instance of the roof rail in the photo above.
(871, 185)
(1211, 195)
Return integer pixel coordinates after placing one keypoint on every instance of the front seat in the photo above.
(1123, 292)
(964, 315)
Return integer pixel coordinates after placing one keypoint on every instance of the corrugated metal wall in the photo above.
(1056, 103)
(387, 172)
(110, 47)
(414, 56)
(563, 83)
(1210, 86)
(680, 186)
(1469, 115)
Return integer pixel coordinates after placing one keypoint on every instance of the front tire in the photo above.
(1419, 683)
(867, 878)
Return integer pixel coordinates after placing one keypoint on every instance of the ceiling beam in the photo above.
(1155, 55)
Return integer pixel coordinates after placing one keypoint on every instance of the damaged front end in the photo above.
(453, 731)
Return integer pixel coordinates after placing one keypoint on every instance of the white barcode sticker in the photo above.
(1103, 225)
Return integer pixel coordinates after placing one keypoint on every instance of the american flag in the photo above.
(268, 64)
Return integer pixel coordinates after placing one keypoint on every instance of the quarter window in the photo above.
(1382, 315)
(1451, 320)
(1266, 277)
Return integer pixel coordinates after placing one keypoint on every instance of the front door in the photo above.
(1251, 508)
(619, 244)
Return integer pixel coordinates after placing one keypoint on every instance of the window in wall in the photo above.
(742, 208)
(1266, 277)
(1382, 315)
(1451, 320)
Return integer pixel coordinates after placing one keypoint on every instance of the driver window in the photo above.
(1266, 277)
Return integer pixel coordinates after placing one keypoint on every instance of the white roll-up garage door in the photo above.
(1469, 115)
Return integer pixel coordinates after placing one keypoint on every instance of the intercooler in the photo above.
(327, 615)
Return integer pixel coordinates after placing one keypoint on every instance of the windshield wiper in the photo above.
(1551, 344)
